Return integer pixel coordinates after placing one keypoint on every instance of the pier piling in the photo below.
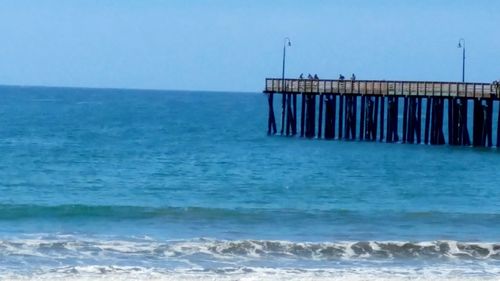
(289, 115)
(283, 105)
(405, 118)
(302, 114)
(320, 116)
(362, 120)
(271, 120)
(329, 117)
(382, 111)
(341, 114)
(310, 115)
(375, 119)
(294, 125)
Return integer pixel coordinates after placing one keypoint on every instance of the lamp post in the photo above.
(461, 44)
(286, 43)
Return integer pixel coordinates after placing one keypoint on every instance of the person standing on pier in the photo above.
(341, 77)
(353, 77)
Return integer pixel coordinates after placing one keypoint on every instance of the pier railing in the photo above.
(383, 88)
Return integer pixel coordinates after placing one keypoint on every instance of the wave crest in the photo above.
(253, 249)
(350, 250)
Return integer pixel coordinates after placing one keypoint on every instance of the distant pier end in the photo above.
(371, 110)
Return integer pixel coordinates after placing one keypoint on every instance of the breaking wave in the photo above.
(251, 249)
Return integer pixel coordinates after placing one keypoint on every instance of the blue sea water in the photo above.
(187, 185)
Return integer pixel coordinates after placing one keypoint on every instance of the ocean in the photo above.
(175, 185)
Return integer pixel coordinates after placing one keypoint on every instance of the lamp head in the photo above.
(288, 42)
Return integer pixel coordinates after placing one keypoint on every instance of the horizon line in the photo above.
(123, 89)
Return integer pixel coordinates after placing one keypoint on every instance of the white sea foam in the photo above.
(251, 274)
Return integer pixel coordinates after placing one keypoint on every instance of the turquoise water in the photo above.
(165, 182)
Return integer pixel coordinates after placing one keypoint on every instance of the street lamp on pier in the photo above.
(461, 44)
(286, 43)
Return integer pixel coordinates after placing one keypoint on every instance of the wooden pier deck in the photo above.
(382, 88)
(391, 111)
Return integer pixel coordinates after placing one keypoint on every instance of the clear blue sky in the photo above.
(233, 45)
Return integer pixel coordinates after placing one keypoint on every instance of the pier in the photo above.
(390, 111)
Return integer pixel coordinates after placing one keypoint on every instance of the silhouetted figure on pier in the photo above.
(309, 76)
(301, 76)
(341, 77)
(353, 77)
(316, 77)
